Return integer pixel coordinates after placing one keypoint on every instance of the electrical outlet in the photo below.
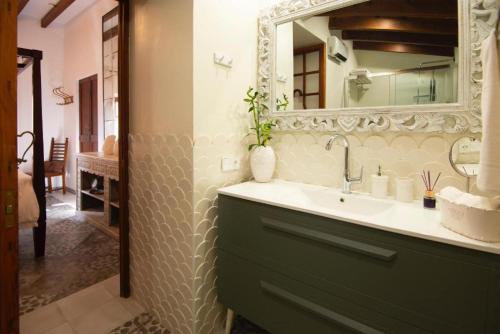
(230, 163)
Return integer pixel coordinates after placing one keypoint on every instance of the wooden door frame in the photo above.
(123, 132)
(96, 121)
(9, 239)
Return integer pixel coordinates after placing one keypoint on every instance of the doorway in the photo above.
(9, 221)
(87, 90)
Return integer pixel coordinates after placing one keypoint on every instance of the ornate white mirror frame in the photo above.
(476, 20)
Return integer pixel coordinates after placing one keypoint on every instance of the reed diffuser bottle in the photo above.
(429, 195)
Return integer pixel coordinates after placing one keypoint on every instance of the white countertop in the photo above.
(404, 218)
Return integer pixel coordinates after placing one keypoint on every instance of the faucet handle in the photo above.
(358, 179)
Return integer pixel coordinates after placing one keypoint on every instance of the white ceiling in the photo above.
(38, 8)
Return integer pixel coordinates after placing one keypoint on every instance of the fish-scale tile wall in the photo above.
(173, 219)
(208, 177)
(302, 158)
(173, 204)
(161, 227)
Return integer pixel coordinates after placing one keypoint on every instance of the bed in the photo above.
(34, 184)
(29, 210)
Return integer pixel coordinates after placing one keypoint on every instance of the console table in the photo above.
(103, 168)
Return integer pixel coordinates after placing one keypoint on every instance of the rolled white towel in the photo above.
(457, 196)
(479, 202)
(450, 193)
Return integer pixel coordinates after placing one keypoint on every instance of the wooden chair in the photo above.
(56, 165)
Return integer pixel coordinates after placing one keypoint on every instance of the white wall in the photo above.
(161, 168)
(228, 27)
(161, 67)
(285, 62)
(83, 58)
(51, 42)
(186, 112)
(221, 123)
(335, 71)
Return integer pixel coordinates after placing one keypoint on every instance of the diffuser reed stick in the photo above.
(426, 177)
(429, 196)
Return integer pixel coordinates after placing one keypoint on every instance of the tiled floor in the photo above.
(97, 310)
(67, 198)
(77, 256)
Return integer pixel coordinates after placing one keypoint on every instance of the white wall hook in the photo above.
(281, 78)
(223, 60)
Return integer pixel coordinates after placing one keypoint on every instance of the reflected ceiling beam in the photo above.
(405, 48)
(21, 5)
(400, 37)
(414, 25)
(55, 12)
(432, 9)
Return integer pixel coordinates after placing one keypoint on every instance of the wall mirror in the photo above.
(464, 157)
(110, 28)
(359, 65)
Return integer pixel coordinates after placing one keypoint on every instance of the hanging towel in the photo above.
(488, 179)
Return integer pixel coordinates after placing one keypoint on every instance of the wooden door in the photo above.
(88, 114)
(9, 293)
(309, 77)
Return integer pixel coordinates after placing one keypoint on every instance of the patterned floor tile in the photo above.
(144, 323)
(77, 256)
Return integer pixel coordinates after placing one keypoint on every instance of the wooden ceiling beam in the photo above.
(400, 37)
(55, 12)
(421, 26)
(436, 9)
(405, 48)
(21, 5)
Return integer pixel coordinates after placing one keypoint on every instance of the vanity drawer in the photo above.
(285, 306)
(438, 287)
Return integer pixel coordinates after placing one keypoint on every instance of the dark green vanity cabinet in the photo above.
(292, 272)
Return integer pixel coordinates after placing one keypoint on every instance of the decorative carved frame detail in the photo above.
(477, 18)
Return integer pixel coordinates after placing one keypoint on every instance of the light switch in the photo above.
(230, 163)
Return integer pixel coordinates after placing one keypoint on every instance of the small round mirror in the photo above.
(464, 156)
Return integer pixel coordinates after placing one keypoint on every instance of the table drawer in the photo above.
(113, 172)
(84, 164)
(399, 277)
(283, 305)
(98, 167)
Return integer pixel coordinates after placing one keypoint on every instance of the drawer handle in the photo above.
(355, 246)
(318, 309)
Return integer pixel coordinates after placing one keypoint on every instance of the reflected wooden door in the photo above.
(88, 114)
(309, 77)
(9, 293)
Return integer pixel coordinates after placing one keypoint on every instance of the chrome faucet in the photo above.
(347, 180)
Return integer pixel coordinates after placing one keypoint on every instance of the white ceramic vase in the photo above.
(262, 163)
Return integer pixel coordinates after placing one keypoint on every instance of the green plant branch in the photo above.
(262, 126)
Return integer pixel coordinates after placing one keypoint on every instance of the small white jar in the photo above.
(404, 189)
(380, 185)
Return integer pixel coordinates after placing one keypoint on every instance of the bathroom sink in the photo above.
(357, 204)
(385, 214)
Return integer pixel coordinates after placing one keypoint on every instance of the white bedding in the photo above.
(28, 204)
